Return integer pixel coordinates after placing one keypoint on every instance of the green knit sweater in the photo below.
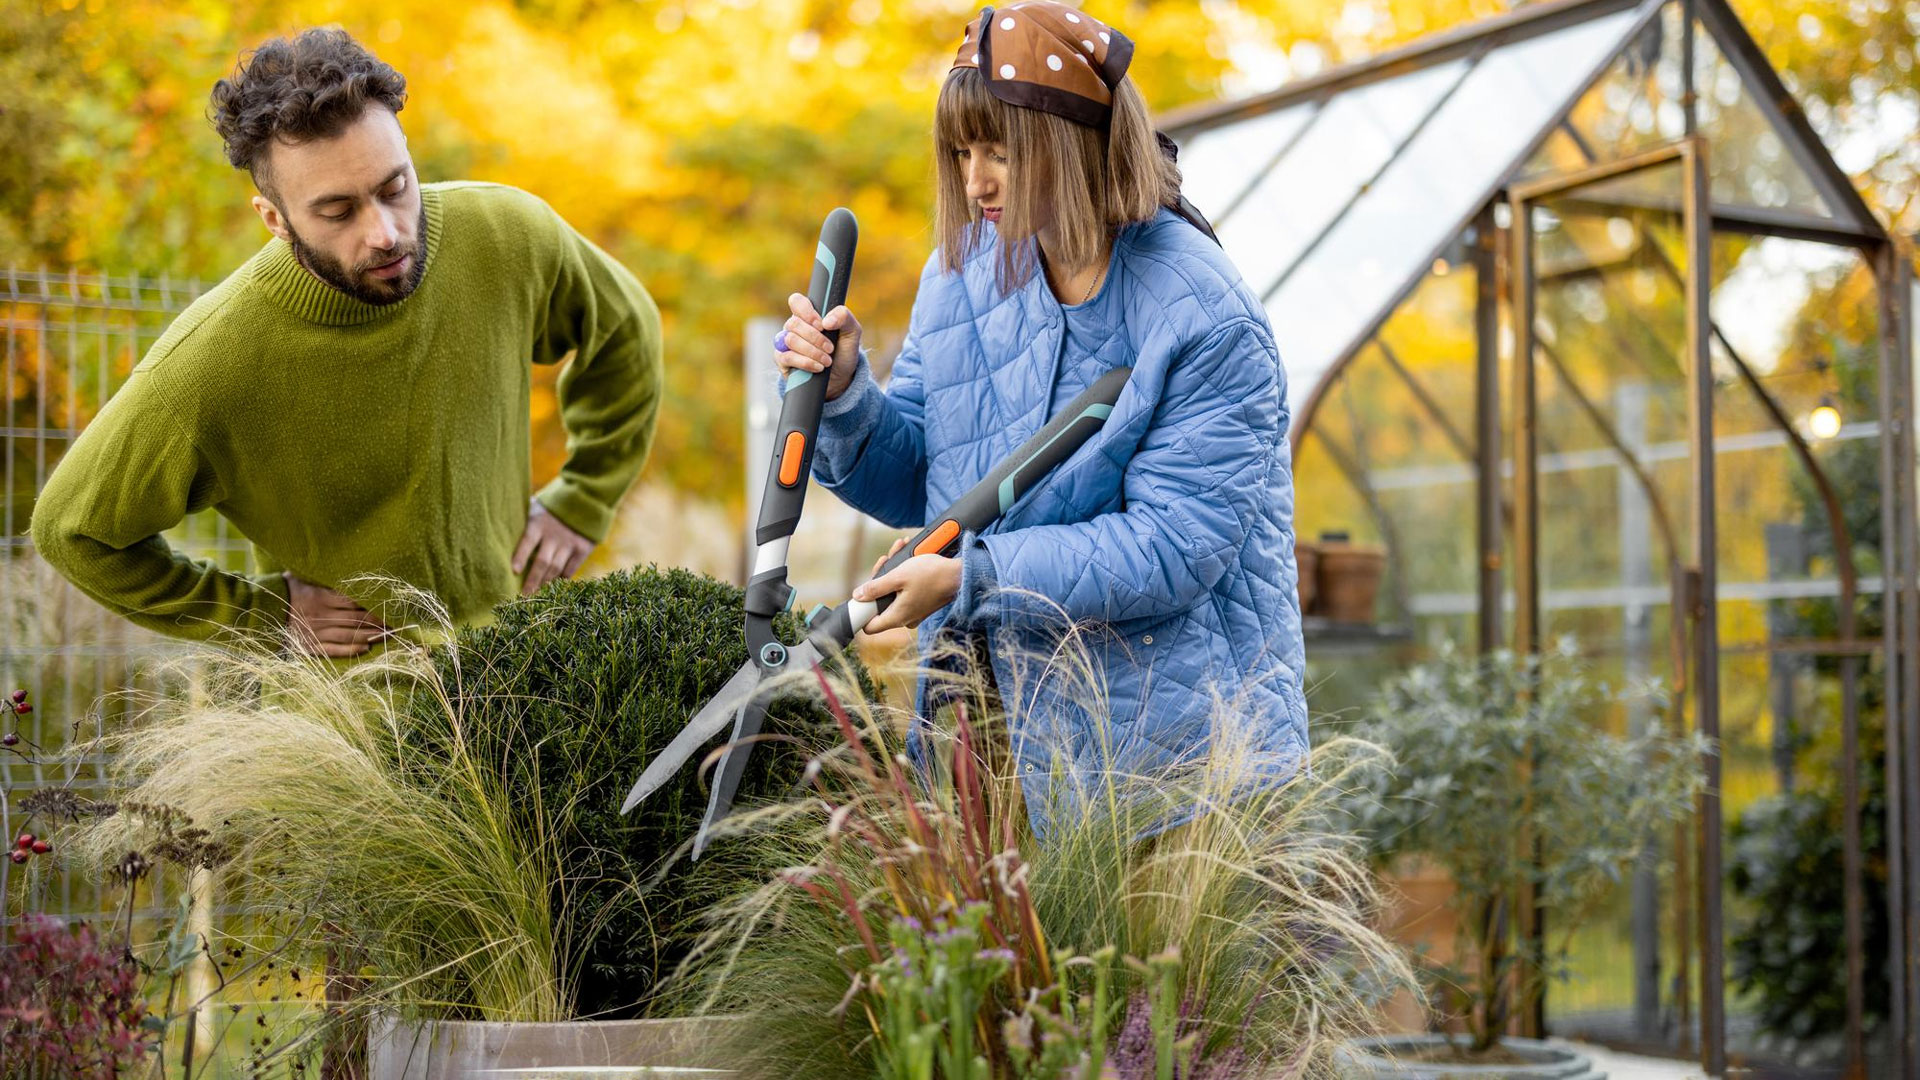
(348, 440)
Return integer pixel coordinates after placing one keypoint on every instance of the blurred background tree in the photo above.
(700, 141)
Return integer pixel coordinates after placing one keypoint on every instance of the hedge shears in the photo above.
(830, 630)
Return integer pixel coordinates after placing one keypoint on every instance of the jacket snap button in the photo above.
(1146, 639)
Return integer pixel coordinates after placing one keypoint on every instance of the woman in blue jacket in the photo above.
(1065, 251)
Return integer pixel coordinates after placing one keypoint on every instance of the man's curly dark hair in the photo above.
(310, 86)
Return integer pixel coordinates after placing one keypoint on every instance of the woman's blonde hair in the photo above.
(1083, 182)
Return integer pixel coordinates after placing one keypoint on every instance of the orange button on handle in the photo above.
(938, 539)
(791, 457)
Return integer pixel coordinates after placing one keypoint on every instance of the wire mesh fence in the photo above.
(71, 340)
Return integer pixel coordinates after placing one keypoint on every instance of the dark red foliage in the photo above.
(70, 1004)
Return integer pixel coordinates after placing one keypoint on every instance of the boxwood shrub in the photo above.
(572, 692)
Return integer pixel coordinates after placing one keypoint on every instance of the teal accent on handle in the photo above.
(825, 256)
(797, 377)
(813, 617)
(1007, 494)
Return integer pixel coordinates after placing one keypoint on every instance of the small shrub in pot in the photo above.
(1505, 780)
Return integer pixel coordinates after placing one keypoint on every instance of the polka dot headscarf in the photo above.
(1044, 55)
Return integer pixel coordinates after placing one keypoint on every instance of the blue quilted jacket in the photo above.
(1166, 541)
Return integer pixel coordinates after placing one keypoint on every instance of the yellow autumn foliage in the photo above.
(701, 141)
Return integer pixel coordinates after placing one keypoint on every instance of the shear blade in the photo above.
(711, 720)
(733, 760)
(726, 777)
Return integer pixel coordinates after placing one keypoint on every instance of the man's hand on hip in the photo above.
(327, 623)
(548, 550)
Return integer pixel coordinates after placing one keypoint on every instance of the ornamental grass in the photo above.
(399, 854)
(1207, 922)
(442, 819)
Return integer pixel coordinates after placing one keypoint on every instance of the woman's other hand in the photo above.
(920, 586)
(806, 341)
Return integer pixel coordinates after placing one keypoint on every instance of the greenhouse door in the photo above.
(1611, 429)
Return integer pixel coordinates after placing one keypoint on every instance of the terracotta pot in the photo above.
(1306, 558)
(1420, 916)
(1350, 579)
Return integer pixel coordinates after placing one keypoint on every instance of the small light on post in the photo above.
(1441, 267)
(1824, 421)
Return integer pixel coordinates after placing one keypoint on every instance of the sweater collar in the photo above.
(280, 276)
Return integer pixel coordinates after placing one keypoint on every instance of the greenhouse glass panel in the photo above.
(1431, 191)
(1750, 164)
(1611, 378)
(1347, 143)
(1561, 153)
(1635, 106)
(1802, 318)
(1218, 165)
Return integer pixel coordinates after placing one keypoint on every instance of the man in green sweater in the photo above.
(355, 398)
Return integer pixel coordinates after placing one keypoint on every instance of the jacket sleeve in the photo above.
(609, 394)
(873, 448)
(1191, 493)
(135, 472)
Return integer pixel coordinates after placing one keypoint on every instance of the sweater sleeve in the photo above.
(135, 472)
(610, 391)
(1190, 490)
(873, 447)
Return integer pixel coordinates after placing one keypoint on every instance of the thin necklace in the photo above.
(1097, 279)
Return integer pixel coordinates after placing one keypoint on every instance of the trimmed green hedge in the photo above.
(573, 691)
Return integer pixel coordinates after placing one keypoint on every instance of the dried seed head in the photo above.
(133, 866)
(63, 804)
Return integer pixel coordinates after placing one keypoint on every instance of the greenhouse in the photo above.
(1587, 332)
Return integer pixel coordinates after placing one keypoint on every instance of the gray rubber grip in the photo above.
(785, 493)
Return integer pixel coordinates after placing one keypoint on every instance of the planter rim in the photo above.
(1377, 1050)
(643, 1023)
(427, 1049)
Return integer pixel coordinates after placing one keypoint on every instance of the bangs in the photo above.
(1081, 183)
(968, 112)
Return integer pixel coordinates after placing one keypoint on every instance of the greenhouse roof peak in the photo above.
(1335, 195)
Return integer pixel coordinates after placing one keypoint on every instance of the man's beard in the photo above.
(355, 282)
